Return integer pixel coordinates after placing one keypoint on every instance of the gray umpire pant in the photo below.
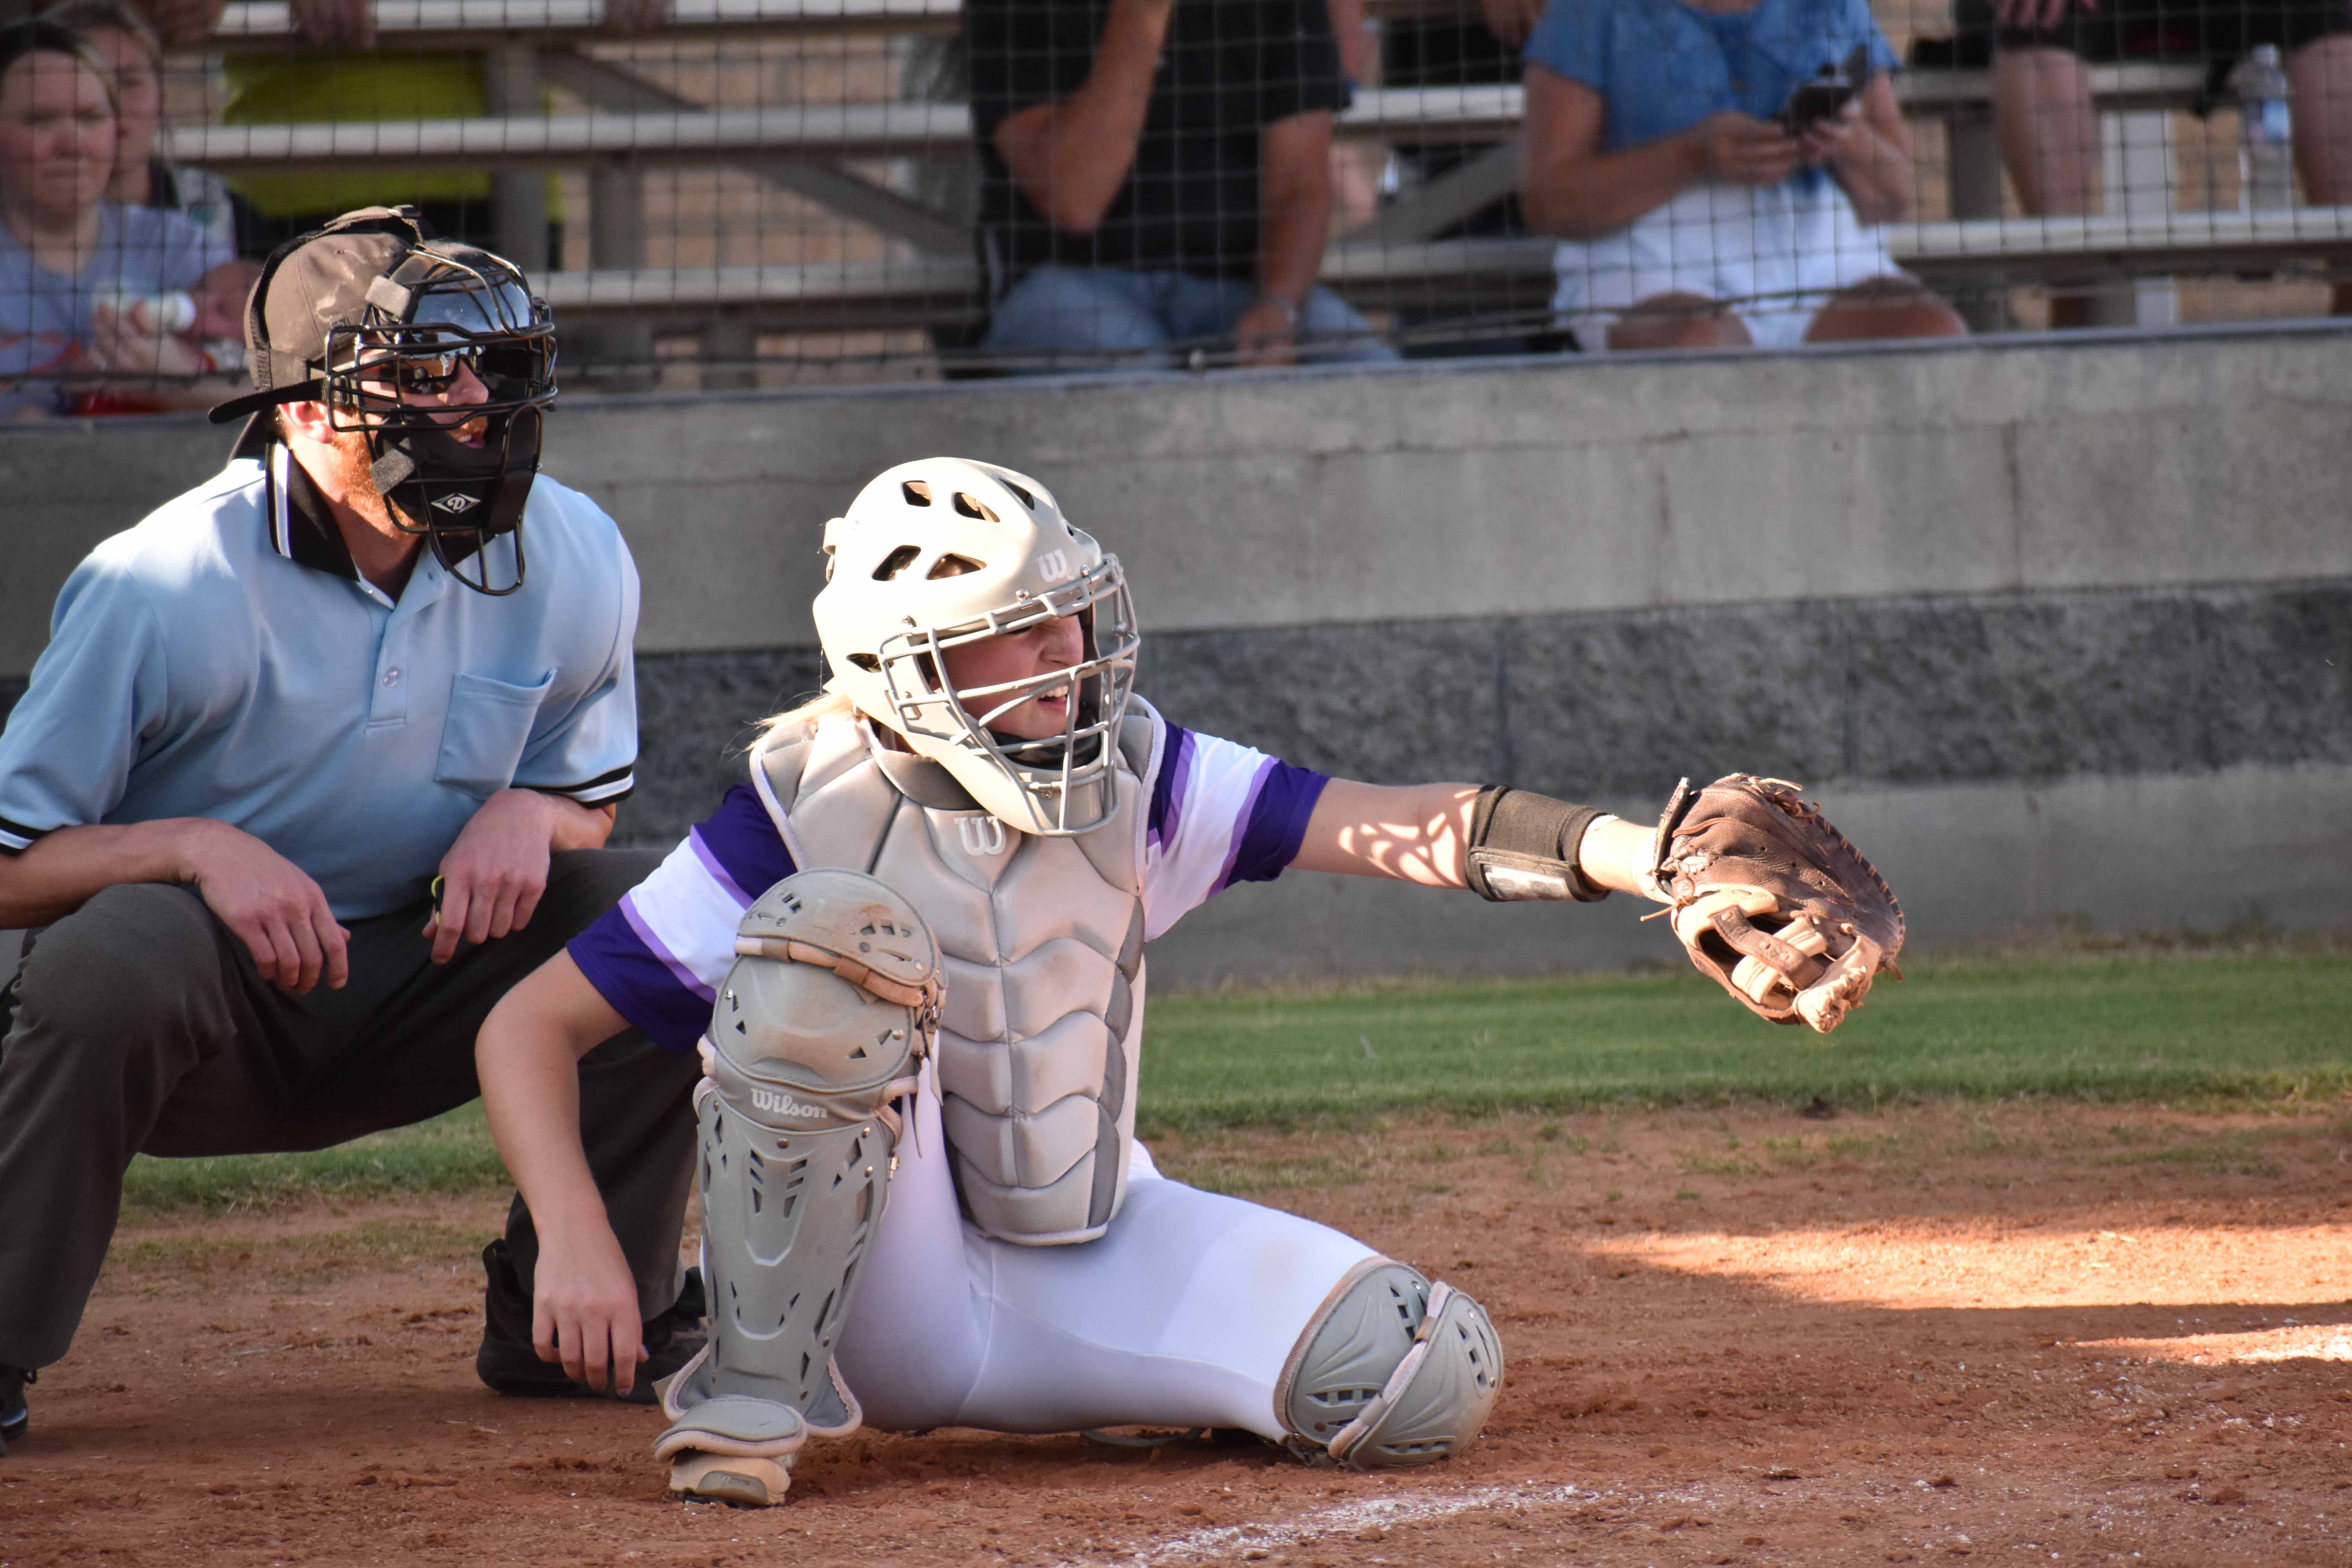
(141, 1026)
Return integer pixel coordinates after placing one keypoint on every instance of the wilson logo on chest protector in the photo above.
(783, 1104)
(981, 835)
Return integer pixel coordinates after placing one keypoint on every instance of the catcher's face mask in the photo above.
(940, 555)
(437, 354)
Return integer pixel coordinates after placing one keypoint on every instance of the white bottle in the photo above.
(2265, 131)
(158, 315)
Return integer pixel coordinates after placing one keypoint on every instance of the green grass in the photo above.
(2234, 1028)
(451, 1154)
(2144, 1026)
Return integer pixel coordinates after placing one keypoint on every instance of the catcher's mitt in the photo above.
(1771, 901)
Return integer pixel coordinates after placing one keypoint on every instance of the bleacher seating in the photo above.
(835, 131)
(1462, 274)
(253, 24)
(631, 123)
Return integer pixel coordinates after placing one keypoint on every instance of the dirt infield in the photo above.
(2014, 1334)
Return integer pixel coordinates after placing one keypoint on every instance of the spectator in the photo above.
(2041, 90)
(342, 76)
(1692, 217)
(1158, 174)
(134, 57)
(69, 258)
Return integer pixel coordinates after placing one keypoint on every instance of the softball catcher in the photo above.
(924, 1203)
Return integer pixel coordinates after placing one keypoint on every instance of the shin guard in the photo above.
(819, 1031)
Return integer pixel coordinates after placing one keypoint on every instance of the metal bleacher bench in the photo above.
(482, 23)
(1468, 274)
(632, 123)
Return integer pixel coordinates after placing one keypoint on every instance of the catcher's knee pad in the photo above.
(1392, 1371)
(820, 1029)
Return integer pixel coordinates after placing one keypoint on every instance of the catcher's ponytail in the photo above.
(808, 712)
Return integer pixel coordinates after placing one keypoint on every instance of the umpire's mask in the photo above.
(371, 311)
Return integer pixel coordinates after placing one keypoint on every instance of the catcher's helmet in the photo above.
(944, 552)
(372, 307)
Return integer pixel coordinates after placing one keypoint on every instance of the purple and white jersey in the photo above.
(1220, 813)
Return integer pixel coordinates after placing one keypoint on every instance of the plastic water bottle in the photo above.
(2265, 130)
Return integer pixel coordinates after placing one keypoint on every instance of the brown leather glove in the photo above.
(1771, 902)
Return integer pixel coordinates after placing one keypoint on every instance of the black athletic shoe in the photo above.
(507, 1364)
(14, 1418)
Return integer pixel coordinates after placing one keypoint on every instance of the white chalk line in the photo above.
(1347, 1519)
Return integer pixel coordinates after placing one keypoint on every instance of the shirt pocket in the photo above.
(488, 727)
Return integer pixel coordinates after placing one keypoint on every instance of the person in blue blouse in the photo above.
(1693, 213)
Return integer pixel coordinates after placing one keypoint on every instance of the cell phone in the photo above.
(1826, 96)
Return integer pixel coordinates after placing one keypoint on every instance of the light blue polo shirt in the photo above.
(223, 659)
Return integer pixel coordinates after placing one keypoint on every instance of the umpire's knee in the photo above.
(137, 962)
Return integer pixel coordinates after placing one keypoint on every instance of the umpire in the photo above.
(273, 720)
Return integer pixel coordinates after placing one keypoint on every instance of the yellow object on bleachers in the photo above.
(383, 85)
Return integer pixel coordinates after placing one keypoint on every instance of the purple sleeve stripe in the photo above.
(683, 975)
(1282, 799)
(739, 844)
(1243, 820)
(638, 985)
(1168, 789)
(719, 873)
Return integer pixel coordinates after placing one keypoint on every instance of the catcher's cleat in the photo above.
(730, 1479)
(507, 1364)
(15, 1418)
(734, 1449)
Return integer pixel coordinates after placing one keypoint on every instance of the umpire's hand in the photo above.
(271, 904)
(492, 876)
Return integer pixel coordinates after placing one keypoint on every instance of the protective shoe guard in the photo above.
(733, 1449)
(834, 1413)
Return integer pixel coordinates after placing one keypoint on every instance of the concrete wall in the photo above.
(2062, 631)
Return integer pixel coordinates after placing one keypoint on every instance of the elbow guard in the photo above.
(1522, 845)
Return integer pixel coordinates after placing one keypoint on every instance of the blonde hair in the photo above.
(807, 713)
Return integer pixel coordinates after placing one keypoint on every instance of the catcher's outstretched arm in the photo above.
(1423, 833)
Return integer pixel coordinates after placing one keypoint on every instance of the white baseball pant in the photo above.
(1182, 1315)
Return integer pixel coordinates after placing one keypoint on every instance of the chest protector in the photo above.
(1041, 942)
